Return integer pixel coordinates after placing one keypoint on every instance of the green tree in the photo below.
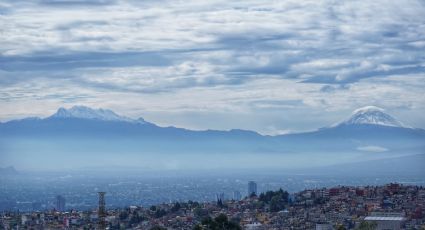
(219, 223)
(135, 219)
(209, 223)
(196, 204)
(364, 225)
(275, 199)
(252, 195)
(277, 204)
(340, 227)
(197, 227)
(160, 213)
(158, 228)
(123, 215)
(199, 212)
(176, 207)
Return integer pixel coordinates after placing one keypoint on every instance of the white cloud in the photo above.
(264, 60)
(372, 148)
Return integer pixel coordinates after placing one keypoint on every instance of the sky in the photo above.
(270, 66)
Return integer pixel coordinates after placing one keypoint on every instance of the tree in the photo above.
(199, 212)
(196, 204)
(277, 204)
(276, 199)
(222, 218)
(176, 207)
(135, 219)
(220, 203)
(364, 225)
(123, 215)
(160, 213)
(219, 223)
(340, 227)
(197, 227)
(224, 223)
(252, 195)
(210, 223)
(158, 228)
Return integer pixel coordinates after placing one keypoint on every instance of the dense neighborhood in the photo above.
(393, 206)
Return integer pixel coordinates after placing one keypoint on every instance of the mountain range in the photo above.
(82, 136)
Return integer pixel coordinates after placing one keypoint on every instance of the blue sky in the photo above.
(270, 66)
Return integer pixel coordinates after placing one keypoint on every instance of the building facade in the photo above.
(60, 203)
(252, 188)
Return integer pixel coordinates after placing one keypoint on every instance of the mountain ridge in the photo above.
(85, 112)
(84, 138)
(371, 115)
(368, 115)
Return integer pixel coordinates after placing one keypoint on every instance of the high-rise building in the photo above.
(60, 203)
(237, 195)
(220, 197)
(252, 188)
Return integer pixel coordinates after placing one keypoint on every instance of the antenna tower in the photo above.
(101, 212)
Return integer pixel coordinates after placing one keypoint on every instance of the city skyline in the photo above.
(274, 68)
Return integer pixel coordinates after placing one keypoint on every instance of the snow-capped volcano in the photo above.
(84, 112)
(372, 115)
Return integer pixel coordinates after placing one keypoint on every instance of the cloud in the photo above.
(333, 88)
(55, 61)
(287, 57)
(65, 3)
(372, 148)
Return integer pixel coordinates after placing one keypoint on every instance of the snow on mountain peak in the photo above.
(89, 113)
(372, 115)
(369, 108)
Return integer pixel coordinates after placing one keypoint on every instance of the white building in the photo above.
(253, 226)
(386, 221)
(324, 226)
(237, 195)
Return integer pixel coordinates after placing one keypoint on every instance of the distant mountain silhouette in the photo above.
(371, 115)
(80, 131)
(8, 171)
(395, 166)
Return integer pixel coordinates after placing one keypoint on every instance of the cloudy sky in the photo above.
(270, 66)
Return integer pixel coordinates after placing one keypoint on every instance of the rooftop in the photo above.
(385, 218)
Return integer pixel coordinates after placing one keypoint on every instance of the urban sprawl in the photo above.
(392, 206)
